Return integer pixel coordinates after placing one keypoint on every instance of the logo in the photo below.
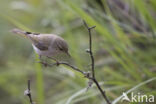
(125, 97)
(137, 98)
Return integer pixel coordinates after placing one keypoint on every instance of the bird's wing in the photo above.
(61, 44)
(41, 42)
(41, 46)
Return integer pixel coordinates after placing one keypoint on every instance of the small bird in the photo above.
(48, 45)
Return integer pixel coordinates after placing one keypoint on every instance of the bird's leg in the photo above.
(57, 62)
(42, 61)
(40, 57)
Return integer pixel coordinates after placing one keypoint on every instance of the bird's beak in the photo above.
(18, 31)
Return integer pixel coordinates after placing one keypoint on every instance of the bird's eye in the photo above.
(28, 32)
(61, 49)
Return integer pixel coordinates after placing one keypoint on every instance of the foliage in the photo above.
(123, 45)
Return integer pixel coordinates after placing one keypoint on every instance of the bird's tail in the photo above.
(20, 32)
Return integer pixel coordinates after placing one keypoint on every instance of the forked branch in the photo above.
(86, 74)
(93, 65)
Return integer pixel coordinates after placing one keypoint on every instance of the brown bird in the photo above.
(49, 45)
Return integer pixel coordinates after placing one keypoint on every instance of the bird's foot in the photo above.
(57, 62)
(44, 63)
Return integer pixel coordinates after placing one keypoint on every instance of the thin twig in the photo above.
(92, 59)
(102, 92)
(63, 63)
(28, 93)
(73, 67)
(90, 47)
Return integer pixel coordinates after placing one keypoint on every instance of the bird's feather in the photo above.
(41, 46)
(61, 44)
(40, 41)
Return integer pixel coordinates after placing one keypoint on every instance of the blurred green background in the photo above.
(124, 45)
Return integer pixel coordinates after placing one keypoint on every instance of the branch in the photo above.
(62, 63)
(28, 93)
(86, 74)
(92, 59)
(90, 47)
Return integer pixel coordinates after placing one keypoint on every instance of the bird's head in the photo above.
(61, 45)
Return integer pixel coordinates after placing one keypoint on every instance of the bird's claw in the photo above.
(43, 63)
(57, 63)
